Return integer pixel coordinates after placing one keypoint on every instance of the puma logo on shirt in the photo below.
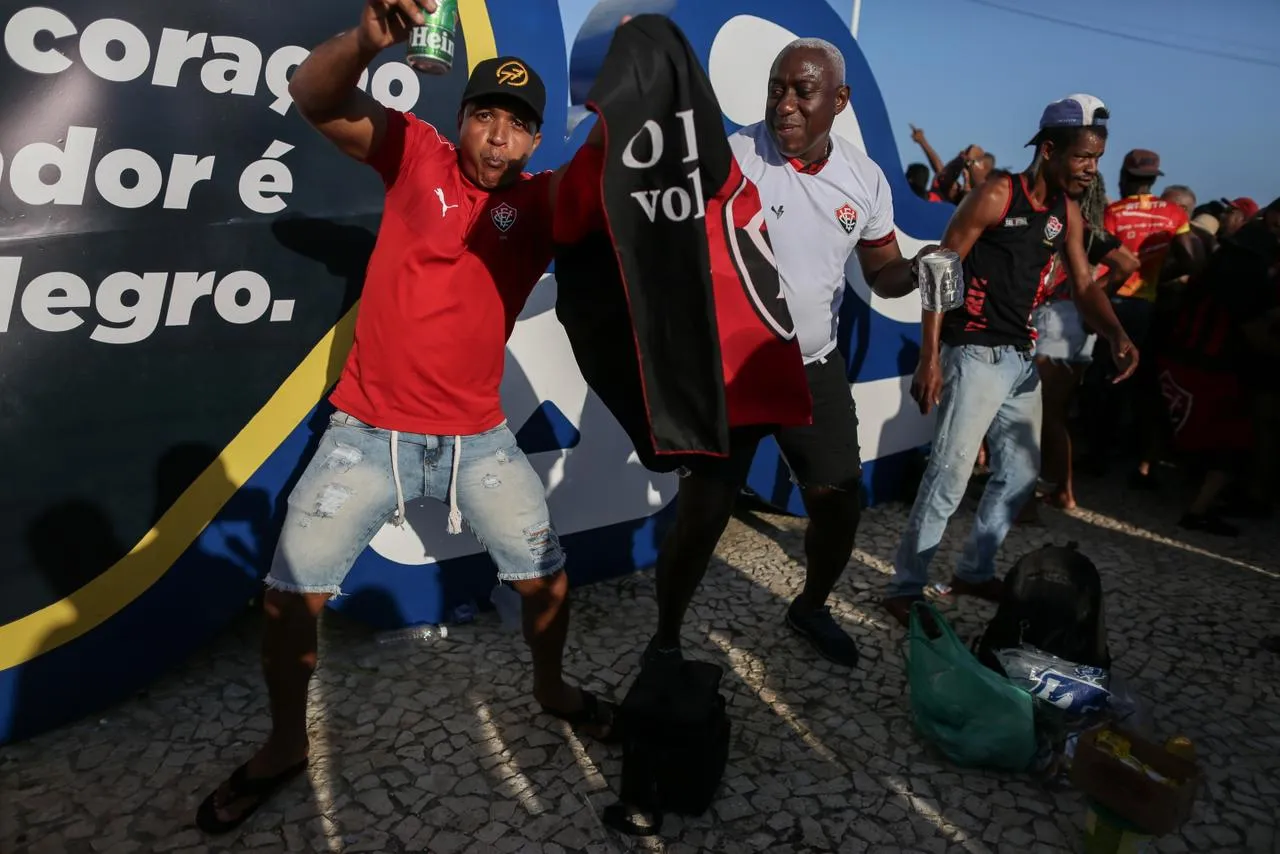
(444, 207)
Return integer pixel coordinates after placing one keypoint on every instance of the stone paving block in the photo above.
(447, 842)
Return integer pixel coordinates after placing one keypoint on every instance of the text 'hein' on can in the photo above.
(431, 45)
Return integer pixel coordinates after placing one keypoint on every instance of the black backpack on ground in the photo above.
(675, 745)
(1052, 601)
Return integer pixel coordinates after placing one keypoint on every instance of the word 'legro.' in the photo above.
(130, 306)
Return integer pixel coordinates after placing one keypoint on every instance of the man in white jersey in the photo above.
(824, 199)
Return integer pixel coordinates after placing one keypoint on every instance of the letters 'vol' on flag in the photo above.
(667, 285)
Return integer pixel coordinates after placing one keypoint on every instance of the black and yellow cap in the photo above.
(511, 77)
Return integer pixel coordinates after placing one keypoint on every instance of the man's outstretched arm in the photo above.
(935, 162)
(595, 139)
(324, 86)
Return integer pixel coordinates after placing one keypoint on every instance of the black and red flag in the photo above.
(668, 289)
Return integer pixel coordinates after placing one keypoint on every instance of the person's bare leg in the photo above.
(1058, 386)
(545, 621)
(1152, 445)
(1067, 489)
(702, 512)
(1152, 421)
(288, 660)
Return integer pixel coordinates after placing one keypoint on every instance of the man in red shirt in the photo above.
(1147, 225)
(1151, 228)
(465, 236)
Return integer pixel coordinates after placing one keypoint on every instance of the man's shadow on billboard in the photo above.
(193, 599)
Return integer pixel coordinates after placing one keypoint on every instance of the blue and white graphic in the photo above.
(1076, 689)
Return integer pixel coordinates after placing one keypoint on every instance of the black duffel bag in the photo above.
(675, 745)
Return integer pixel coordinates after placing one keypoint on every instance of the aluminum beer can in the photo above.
(941, 275)
(431, 45)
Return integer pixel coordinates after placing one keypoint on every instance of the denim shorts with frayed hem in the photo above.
(348, 492)
(1060, 335)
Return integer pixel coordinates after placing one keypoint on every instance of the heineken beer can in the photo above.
(431, 45)
(941, 277)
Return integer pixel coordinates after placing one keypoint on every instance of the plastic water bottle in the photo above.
(508, 604)
(413, 634)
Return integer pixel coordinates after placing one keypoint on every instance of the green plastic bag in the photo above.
(975, 716)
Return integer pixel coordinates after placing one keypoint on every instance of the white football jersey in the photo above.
(816, 216)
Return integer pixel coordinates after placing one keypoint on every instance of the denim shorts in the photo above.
(1060, 334)
(348, 492)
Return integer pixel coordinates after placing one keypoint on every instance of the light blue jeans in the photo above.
(986, 391)
(348, 492)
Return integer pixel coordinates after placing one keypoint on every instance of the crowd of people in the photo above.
(1195, 287)
(419, 414)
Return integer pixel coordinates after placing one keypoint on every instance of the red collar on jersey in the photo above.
(811, 168)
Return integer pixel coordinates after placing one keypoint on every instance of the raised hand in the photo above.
(388, 22)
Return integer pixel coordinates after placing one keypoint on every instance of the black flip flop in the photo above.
(594, 712)
(632, 821)
(240, 787)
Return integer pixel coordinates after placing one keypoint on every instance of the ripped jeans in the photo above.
(348, 492)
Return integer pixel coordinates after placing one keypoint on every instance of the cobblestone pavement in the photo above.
(439, 748)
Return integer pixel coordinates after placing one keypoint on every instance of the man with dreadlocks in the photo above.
(976, 361)
(1063, 348)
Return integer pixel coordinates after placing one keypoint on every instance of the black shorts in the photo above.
(824, 453)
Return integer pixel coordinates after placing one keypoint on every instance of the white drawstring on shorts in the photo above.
(395, 475)
(455, 515)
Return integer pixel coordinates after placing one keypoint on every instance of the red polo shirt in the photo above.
(451, 271)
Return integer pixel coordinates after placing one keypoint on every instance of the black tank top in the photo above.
(1006, 270)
